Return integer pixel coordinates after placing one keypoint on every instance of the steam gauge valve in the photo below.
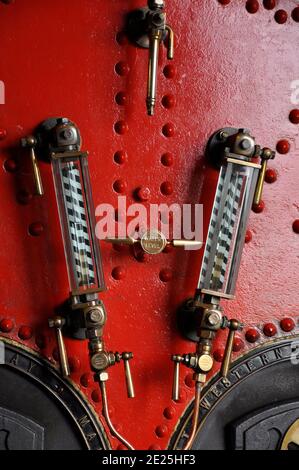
(147, 28)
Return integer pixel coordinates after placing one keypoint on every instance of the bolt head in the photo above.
(205, 363)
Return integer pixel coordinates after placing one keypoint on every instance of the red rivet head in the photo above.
(252, 6)
(258, 208)
(270, 329)
(169, 71)
(166, 188)
(270, 176)
(3, 134)
(96, 397)
(168, 130)
(168, 101)
(10, 165)
(224, 2)
(121, 447)
(36, 229)
(252, 335)
(143, 194)
(295, 14)
(281, 16)
(118, 273)
(169, 412)
(165, 275)
(121, 38)
(120, 186)
(238, 344)
(24, 197)
(121, 127)
(189, 381)
(248, 236)
(86, 380)
(75, 364)
(122, 68)
(296, 226)
(121, 98)
(269, 4)
(120, 157)
(25, 332)
(167, 159)
(162, 430)
(154, 447)
(218, 354)
(6, 325)
(294, 116)
(283, 146)
(287, 324)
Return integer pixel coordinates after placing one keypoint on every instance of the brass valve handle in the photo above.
(234, 325)
(266, 155)
(58, 323)
(126, 357)
(154, 242)
(176, 377)
(30, 142)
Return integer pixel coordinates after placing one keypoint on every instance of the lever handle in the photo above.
(170, 47)
(176, 378)
(58, 323)
(234, 325)
(266, 154)
(127, 356)
(30, 142)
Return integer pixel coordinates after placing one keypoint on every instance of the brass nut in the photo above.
(103, 376)
(100, 361)
(205, 363)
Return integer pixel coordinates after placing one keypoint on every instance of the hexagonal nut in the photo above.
(103, 376)
(205, 363)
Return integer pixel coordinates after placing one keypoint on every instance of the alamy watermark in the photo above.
(175, 222)
(2, 92)
(2, 353)
(295, 92)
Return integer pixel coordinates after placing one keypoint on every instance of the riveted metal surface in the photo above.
(234, 64)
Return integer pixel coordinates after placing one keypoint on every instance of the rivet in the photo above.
(166, 188)
(75, 364)
(122, 68)
(218, 354)
(24, 197)
(143, 194)
(121, 98)
(3, 134)
(294, 116)
(86, 380)
(269, 4)
(121, 38)
(270, 329)
(258, 208)
(10, 165)
(224, 2)
(270, 176)
(169, 71)
(168, 101)
(25, 332)
(167, 159)
(121, 127)
(281, 16)
(162, 430)
(36, 229)
(296, 226)
(96, 396)
(248, 236)
(168, 130)
(120, 186)
(121, 447)
(238, 344)
(120, 157)
(165, 275)
(154, 447)
(252, 6)
(295, 14)
(169, 412)
(283, 146)
(287, 324)
(118, 273)
(6, 325)
(139, 255)
(189, 381)
(252, 335)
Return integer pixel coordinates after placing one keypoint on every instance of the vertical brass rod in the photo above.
(37, 177)
(155, 39)
(195, 417)
(170, 49)
(260, 183)
(129, 381)
(64, 363)
(108, 420)
(176, 382)
(228, 354)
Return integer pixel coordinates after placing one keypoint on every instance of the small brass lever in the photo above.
(233, 325)
(58, 323)
(31, 142)
(266, 155)
(126, 357)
